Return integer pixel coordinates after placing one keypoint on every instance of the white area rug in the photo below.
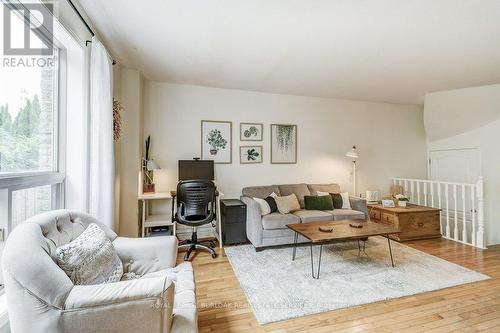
(278, 288)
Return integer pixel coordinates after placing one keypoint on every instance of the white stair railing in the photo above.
(461, 204)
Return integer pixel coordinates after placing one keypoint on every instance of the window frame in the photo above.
(15, 181)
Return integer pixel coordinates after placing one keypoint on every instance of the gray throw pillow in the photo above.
(90, 258)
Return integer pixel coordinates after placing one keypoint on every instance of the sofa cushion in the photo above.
(337, 200)
(315, 202)
(90, 258)
(260, 191)
(278, 221)
(347, 214)
(272, 204)
(287, 204)
(264, 206)
(300, 190)
(313, 215)
(330, 188)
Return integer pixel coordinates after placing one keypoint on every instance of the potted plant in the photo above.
(252, 154)
(252, 131)
(216, 141)
(402, 200)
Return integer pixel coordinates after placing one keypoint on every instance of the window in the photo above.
(32, 201)
(32, 173)
(28, 110)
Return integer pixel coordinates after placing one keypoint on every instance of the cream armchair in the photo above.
(41, 298)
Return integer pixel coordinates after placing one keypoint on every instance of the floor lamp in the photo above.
(353, 153)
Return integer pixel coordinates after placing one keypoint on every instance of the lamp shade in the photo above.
(353, 153)
(152, 165)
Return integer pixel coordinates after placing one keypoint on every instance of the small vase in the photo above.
(402, 203)
(213, 151)
(148, 188)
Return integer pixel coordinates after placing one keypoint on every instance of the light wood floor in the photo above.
(468, 308)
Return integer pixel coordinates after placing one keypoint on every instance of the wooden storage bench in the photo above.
(415, 222)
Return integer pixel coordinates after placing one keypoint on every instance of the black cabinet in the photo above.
(234, 220)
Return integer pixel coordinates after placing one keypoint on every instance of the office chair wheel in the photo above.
(212, 243)
(214, 255)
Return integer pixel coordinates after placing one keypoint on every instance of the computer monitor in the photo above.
(196, 169)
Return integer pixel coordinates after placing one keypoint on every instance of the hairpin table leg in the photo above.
(294, 245)
(390, 250)
(319, 261)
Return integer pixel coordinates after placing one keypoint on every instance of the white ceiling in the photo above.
(373, 50)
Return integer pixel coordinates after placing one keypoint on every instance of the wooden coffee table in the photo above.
(342, 231)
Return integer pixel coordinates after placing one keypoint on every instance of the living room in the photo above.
(345, 150)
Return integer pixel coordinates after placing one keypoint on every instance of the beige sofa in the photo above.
(41, 298)
(270, 230)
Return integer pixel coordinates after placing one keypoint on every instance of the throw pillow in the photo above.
(287, 204)
(346, 204)
(320, 194)
(272, 204)
(90, 258)
(337, 200)
(318, 202)
(264, 206)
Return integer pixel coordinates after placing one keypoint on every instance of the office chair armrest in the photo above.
(144, 255)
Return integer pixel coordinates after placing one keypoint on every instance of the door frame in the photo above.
(429, 151)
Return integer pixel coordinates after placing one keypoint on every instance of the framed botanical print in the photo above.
(250, 154)
(251, 131)
(216, 141)
(283, 144)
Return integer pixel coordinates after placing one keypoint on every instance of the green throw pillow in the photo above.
(322, 202)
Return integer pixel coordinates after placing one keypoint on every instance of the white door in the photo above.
(455, 165)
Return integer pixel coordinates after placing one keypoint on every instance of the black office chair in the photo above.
(196, 206)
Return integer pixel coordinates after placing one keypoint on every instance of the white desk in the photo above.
(157, 220)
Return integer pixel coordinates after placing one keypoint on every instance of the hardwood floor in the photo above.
(468, 308)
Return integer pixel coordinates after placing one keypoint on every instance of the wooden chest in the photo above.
(415, 222)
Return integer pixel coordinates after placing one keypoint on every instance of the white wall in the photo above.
(451, 107)
(130, 93)
(469, 108)
(390, 138)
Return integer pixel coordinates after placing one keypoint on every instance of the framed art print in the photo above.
(251, 131)
(216, 141)
(389, 203)
(283, 144)
(250, 154)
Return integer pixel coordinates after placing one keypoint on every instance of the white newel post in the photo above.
(480, 214)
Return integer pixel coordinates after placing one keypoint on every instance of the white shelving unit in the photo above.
(155, 220)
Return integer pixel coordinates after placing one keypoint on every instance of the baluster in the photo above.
(480, 213)
(432, 193)
(425, 193)
(411, 191)
(440, 205)
(473, 213)
(464, 217)
(455, 229)
(418, 192)
(394, 182)
(406, 189)
(447, 198)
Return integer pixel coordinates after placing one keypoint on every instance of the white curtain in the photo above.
(102, 166)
